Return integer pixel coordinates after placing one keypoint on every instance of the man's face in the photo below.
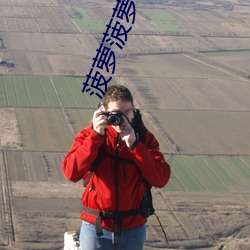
(124, 107)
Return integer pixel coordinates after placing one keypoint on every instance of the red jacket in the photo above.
(101, 192)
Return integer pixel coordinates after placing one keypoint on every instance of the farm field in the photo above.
(237, 59)
(183, 82)
(39, 194)
(162, 20)
(42, 130)
(39, 40)
(9, 136)
(44, 91)
(223, 24)
(186, 63)
(209, 173)
(216, 132)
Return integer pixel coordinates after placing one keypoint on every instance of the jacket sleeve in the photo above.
(83, 152)
(151, 161)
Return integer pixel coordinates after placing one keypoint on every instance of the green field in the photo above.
(208, 173)
(2, 13)
(86, 22)
(45, 91)
(92, 26)
(162, 20)
(226, 52)
(79, 13)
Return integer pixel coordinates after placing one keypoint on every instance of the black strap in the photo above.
(98, 227)
(110, 215)
(150, 198)
(95, 163)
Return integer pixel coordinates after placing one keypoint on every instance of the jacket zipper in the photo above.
(124, 171)
(116, 166)
(116, 177)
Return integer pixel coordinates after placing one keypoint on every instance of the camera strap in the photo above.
(95, 163)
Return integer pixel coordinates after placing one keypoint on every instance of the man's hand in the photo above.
(127, 133)
(100, 122)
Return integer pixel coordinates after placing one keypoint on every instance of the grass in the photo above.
(238, 168)
(208, 173)
(168, 26)
(49, 92)
(91, 25)
(86, 22)
(156, 14)
(45, 91)
(222, 172)
(3, 97)
(75, 84)
(162, 20)
(36, 94)
(21, 91)
(79, 13)
(63, 91)
(10, 91)
(226, 53)
(181, 170)
(204, 174)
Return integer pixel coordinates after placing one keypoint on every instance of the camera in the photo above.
(114, 118)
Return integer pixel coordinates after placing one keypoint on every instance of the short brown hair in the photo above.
(117, 93)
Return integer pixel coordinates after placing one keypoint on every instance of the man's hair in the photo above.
(116, 93)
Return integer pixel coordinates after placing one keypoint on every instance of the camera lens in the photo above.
(114, 120)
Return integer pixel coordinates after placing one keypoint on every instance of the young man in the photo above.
(113, 197)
